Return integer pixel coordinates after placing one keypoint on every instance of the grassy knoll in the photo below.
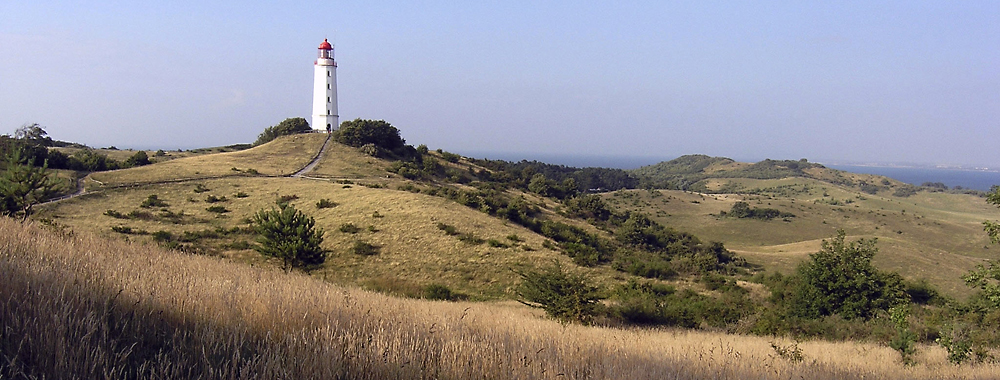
(78, 305)
(282, 156)
(413, 250)
(936, 236)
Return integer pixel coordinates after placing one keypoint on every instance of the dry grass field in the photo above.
(75, 305)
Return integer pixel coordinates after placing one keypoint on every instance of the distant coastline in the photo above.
(968, 177)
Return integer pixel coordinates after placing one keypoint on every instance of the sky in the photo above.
(852, 81)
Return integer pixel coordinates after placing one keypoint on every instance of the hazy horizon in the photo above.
(873, 81)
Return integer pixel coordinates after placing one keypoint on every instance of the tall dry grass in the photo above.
(79, 306)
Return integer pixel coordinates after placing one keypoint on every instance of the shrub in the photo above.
(325, 203)
(153, 201)
(439, 292)
(241, 195)
(217, 209)
(162, 236)
(138, 159)
(200, 188)
(364, 248)
(448, 229)
(290, 235)
(115, 214)
(470, 239)
(289, 126)
(496, 243)
(381, 134)
(349, 228)
(285, 199)
(564, 296)
(213, 199)
(840, 279)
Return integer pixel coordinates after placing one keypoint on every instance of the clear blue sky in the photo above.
(899, 81)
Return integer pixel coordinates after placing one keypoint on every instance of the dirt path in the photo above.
(80, 189)
(315, 161)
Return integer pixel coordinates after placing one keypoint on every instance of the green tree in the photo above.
(359, 132)
(290, 235)
(987, 278)
(840, 279)
(993, 228)
(22, 186)
(289, 126)
(140, 158)
(564, 296)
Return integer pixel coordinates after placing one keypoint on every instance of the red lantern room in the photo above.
(325, 50)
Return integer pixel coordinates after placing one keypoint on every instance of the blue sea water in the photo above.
(968, 179)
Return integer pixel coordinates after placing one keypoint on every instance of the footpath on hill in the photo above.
(81, 189)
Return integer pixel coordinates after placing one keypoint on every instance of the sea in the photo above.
(975, 179)
(981, 180)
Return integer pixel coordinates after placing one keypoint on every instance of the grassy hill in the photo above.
(930, 235)
(413, 251)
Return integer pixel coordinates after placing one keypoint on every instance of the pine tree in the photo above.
(22, 186)
(290, 235)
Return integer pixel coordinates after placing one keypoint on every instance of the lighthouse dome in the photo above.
(325, 45)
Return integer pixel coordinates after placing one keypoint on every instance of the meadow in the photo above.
(75, 305)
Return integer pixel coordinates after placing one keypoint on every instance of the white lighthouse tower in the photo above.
(325, 114)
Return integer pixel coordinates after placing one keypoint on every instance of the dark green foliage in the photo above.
(217, 209)
(359, 132)
(213, 199)
(648, 303)
(325, 203)
(364, 249)
(922, 293)
(138, 159)
(905, 191)
(448, 229)
(564, 296)
(127, 230)
(520, 174)
(840, 279)
(22, 186)
(993, 228)
(349, 228)
(285, 199)
(687, 172)
(588, 206)
(290, 235)
(742, 210)
(904, 340)
(153, 201)
(496, 243)
(115, 214)
(289, 126)
(441, 293)
(469, 238)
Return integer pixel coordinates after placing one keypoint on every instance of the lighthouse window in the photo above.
(327, 99)
(327, 73)
(327, 86)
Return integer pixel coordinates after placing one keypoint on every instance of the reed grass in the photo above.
(81, 306)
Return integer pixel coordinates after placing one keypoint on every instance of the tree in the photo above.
(290, 235)
(840, 279)
(33, 134)
(22, 186)
(563, 296)
(289, 126)
(359, 132)
(987, 278)
(140, 158)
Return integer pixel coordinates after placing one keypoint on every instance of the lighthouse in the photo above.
(325, 115)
